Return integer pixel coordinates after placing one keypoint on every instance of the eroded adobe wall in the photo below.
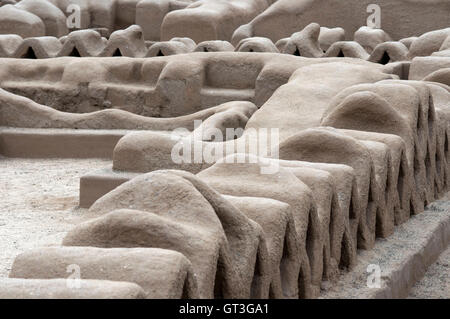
(162, 87)
(399, 18)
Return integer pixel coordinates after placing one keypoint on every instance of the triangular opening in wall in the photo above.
(256, 277)
(341, 54)
(29, 54)
(412, 210)
(185, 293)
(251, 50)
(400, 181)
(218, 281)
(344, 262)
(446, 148)
(303, 283)
(75, 53)
(385, 58)
(160, 53)
(285, 265)
(297, 52)
(117, 52)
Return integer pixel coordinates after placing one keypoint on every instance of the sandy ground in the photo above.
(38, 203)
(436, 282)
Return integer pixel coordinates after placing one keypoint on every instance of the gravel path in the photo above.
(38, 203)
(436, 282)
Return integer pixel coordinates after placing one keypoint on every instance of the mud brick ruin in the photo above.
(340, 155)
